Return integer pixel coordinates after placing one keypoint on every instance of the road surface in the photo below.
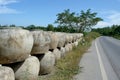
(101, 61)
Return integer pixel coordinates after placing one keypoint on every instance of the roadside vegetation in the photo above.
(113, 31)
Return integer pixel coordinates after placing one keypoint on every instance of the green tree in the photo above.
(79, 22)
(87, 20)
(50, 27)
(65, 18)
(12, 25)
(31, 27)
(113, 30)
(117, 30)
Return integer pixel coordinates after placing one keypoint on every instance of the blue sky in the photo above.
(43, 12)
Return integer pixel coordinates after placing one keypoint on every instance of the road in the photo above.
(101, 61)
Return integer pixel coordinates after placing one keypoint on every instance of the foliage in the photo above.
(65, 18)
(81, 22)
(113, 31)
(65, 29)
(88, 19)
(33, 27)
(90, 36)
(50, 27)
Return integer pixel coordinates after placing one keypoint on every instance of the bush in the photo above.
(90, 36)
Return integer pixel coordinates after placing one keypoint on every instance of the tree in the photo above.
(50, 27)
(114, 30)
(117, 30)
(79, 22)
(65, 18)
(31, 27)
(87, 20)
(12, 25)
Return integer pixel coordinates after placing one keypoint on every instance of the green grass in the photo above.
(67, 67)
(117, 36)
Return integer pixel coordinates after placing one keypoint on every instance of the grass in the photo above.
(67, 67)
(117, 36)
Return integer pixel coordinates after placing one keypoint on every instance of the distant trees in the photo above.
(31, 27)
(80, 22)
(113, 30)
(117, 30)
(12, 25)
(50, 27)
(64, 29)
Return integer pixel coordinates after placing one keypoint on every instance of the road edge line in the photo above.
(102, 68)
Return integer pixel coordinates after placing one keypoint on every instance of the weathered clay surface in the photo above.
(27, 70)
(61, 39)
(71, 38)
(41, 42)
(47, 63)
(15, 45)
(70, 46)
(6, 73)
(57, 54)
(76, 43)
(63, 51)
(67, 49)
(54, 40)
(67, 38)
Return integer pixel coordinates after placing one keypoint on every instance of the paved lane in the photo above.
(102, 61)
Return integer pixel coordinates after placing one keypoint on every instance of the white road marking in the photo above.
(103, 72)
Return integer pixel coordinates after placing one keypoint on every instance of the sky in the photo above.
(43, 12)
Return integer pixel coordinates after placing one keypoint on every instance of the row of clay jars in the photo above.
(43, 41)
(16, 44)
(33, 66)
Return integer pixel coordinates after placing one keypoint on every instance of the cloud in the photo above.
(111, 17)
(6, 2)
(114, 18)
(4, 9)
(102, 24)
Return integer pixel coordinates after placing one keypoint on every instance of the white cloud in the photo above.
(102, 24)
(113, 17)
(4, 9)
(6, 2)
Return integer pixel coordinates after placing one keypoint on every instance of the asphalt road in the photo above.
(102, 61)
